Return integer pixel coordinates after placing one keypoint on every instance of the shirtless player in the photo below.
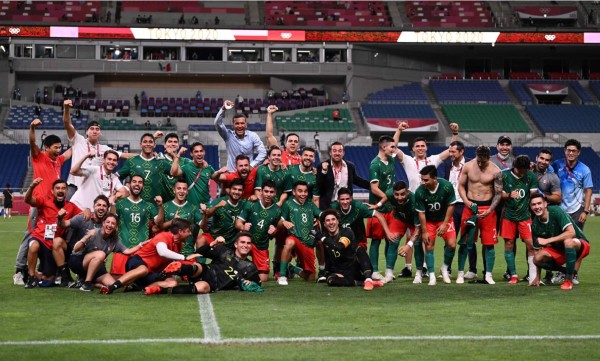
(483, 179)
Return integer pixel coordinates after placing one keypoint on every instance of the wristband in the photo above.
(410, 243)
(379, 204)
(586, 212)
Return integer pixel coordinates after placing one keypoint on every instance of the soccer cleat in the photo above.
(489, 280)
(425, 272)
(513, 280)
(282, 281)
(377, 284)
(525, 279)
(368, 285)
(377, 276)
(276, 275)
(75, 284)
(87, 286)
(32, 282)
(445, 276)
(460, 278)
(418, 278)
(506, 276)
(567, 285)
(18, 279)
(106, 290)
(558, 277)
(470, 275)
(388, 278)
(172, 268)
(575, 280)
(432, 279)
(151, 290)
(46, 283)
(548, 277)
(321, 277)
(405, 273)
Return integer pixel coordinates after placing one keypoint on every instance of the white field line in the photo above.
(265, 340)
(210, 327)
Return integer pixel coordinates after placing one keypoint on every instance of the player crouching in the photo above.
(346, 262)
(558, 241)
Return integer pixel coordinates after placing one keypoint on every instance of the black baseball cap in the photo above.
(504, 139)
(92, 123)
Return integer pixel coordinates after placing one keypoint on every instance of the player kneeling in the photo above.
(346, 262)
(229, 269)
(557, 241)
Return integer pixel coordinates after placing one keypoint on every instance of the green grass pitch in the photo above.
(306, 321)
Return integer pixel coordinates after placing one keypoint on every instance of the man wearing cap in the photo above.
(83, 146)
(504, 158)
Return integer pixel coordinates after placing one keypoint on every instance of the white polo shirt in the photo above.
(80, 148)
(412, 167)
(95, 182)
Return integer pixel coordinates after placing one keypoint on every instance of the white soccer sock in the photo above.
(532, 269)
(389, 272)
(409, 266)
(445, 267)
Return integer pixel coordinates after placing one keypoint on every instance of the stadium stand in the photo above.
(317, 120)
(20, 117)
(418, 111)
(521, 91)
(409, 93)
(327, 13)
(16, 155)
(486, 117)
(449, 14)
(468, 91)
(49, 11)
(560, 118)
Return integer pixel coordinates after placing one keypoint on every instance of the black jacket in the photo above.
(326, 182)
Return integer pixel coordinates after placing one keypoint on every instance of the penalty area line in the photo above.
(265, 340)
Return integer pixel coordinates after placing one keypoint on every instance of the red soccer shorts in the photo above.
(508, 230)
(306, 255)
(260, 258)
(375, 229)
(450, 231)
(559, 256)
(486, 226)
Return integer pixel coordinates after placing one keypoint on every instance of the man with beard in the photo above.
(223, 211)
(90, 253)
(97, 181)
(503, 159)
(46, 165)
(197, 174)
(260, 219)
(167, 182)
(148, 167)
(145, 266)
(290, 156)
(548, 182)
(334, 174)
(78, 227)
(353, 214)
(135, 214)
(558, 241)
(302, 171)
(298, 216)
(40, 243)
(243, 172)
(81, 146)
(273, 171)
(179, 207)
(230, 269)
(239, 140)
(348, 264)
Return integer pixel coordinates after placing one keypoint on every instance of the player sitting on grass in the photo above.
(229, 269)
(560, 240)
(144, 267)
(346, 262)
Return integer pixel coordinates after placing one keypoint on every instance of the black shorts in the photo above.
(47, 264)
(76, 265)
(136, 261)
(216, 278)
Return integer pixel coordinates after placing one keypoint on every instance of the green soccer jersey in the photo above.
(197, 180)
(260, 218)
(517, 209)
(187, 211)
(152, 170)
(383, 172)
(134, 218)
(302, 216)
(435, 204)
(358, 211)
(558, 220)
(404, 212)
(264, 172)
(223, 220)
(167, 182)
(295, 174)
